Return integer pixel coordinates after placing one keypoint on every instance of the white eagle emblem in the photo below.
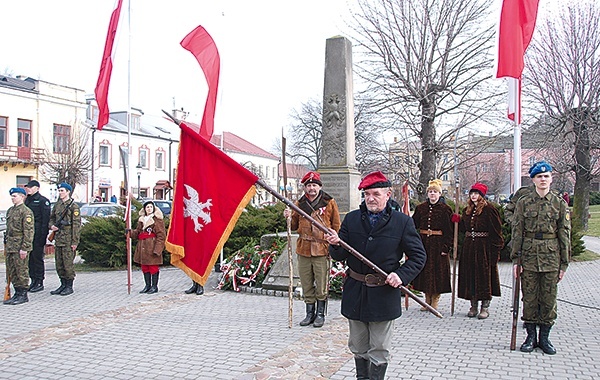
(196, 210)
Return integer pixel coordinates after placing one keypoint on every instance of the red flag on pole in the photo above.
(203, 47)
(211, 192)
(517, 22)
(405, 199)
(106, 66)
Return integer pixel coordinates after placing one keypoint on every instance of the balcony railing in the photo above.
(18, 154)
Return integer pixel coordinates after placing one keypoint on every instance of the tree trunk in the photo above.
(581, 194)
(428, 151)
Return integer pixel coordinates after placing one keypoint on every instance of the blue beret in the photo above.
(18, 190)
(65, 186)
(539, 167)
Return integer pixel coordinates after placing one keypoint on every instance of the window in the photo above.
(160, 157)
(274, 173)
(62, 134)
(104, 155)
(531, 160)
(3, 128)
(135, 122)
(24, 133)
(267, 172)
(22, 180)
(144, 158)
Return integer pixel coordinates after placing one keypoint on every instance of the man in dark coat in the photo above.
(41, 211)
(370, 301)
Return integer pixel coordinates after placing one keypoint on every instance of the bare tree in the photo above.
(69, 160)
(564, 80)
(427, 65)
(305, 135)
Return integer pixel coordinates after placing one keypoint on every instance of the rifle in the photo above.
(59, 223)
(7, 289)
(515, 308)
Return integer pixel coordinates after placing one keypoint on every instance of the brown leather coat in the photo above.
(311, 241)
(150, 251)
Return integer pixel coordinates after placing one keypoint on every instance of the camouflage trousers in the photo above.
(63, 259)
(539, 297)
(17, 269)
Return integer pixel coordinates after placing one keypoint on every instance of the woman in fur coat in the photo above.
(151, 235)
(433, 222)
(478, 266)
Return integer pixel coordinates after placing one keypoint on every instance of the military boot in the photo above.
(473, 310)
(68, 288)
(20, 296)
(362, 368)
(147, 281)
(544, 342)
(11, 299)
(377, 372)
(37, 284)
(193, 289)
(199, 290)
(531, 340)
(154, 283)
(484, 313)
(310, 315)
(60, 288)
(320, 316)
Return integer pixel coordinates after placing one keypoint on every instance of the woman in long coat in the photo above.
(478, 266)
(433, 222)
(151, 235)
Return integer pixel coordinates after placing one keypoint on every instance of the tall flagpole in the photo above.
(129, 187)
(517, 133)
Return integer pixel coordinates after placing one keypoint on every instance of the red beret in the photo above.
(312, 177)
(373, 180)
(480, 188)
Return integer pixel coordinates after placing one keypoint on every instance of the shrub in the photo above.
(594, 198)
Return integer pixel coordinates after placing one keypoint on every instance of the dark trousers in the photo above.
(36, 259)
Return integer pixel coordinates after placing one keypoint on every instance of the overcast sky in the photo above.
(272, 54)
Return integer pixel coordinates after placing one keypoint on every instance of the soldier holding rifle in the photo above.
(541, 230)
(65, 224)
(370, 301)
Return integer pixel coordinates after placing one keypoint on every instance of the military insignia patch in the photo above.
(28, 219)
(568, 216)
(76, 213)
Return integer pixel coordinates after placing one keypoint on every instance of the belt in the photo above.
(476, 234)
(539, 235)
(312, 238)
(371, 279)
(431, 232)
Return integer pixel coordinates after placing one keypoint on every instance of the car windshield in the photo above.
(87, 211)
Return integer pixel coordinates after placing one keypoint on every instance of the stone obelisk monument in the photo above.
(338, 156)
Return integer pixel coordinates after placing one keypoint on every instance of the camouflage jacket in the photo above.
(69, 226)
(20, 229)
(541, 233)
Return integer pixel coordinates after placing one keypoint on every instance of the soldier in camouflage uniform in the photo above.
(18, 242)
(65, 220)
(541, 233)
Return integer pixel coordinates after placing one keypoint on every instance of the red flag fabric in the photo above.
(203, 47)
(405, 199)
(106, 66)
(211, 191)
(517, 22)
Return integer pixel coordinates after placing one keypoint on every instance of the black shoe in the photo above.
(200, 290)
(60, 288)
(362, 368)
(68, 288)
(10, 300)
(320, 316)
(154, 284)
(147, 281)
(377, 372)
(310, 315)
(544, 342)
(37, 285)
(193, 289)
(20, 296)
(531, 340)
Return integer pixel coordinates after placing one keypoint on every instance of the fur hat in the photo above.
(539, 167)
(435, 184)
(374, 180)
(312, 177)
(480, 188)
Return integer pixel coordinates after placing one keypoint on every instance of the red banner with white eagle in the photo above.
(211, 191)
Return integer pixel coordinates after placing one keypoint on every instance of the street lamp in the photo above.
(139, 173)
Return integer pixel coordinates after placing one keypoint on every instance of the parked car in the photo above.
(164, 206)
(100, 209)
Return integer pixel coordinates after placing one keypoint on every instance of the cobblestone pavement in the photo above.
(102, 332)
